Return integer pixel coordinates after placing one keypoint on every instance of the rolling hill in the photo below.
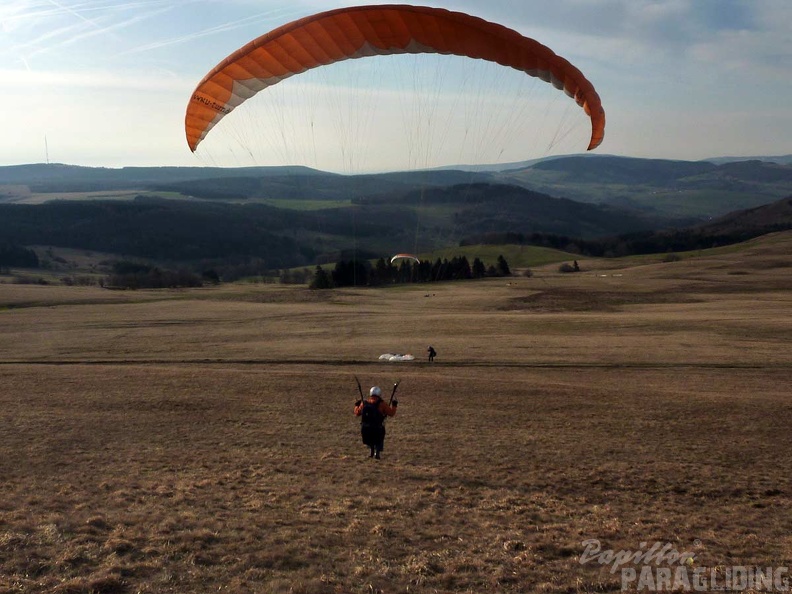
(661, 188)
(184, 231)
(669, 188)
(228, 217)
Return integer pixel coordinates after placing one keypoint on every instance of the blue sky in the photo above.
(106, 82)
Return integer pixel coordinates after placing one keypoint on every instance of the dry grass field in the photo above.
(203, 441)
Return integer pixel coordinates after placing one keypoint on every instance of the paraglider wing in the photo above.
(405, 256)
(363, 31)
(396, 357)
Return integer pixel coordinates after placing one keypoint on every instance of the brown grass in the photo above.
(203, 440)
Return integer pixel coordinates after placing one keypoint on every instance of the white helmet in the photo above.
(375, 391)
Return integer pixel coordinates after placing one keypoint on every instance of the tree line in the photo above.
(133, 275)
(17, 256)
(362, 273)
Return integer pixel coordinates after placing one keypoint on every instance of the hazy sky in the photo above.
(106, 82)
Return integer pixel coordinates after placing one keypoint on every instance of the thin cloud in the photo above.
(103, 30)
(14, 81)
(223, 28)
(74, 13)
(47, 29)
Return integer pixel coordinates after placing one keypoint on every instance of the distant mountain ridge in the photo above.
(577, 196)
(621, 170)
(776, 216)
(780, 159)
(733, 228)
(429, 219)
(49, 172)
(483, 207)
(671, 188)
(232, 228)
(39, 172)
(657, 187)
(501, 167)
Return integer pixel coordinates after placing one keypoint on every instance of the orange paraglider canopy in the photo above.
(363, 31)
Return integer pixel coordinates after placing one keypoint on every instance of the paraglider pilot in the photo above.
(432, 353)
(372, 415)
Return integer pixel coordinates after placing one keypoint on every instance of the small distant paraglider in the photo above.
(405, 257)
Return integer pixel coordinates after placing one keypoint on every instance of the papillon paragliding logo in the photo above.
(371, 31)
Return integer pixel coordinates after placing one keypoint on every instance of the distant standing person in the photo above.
(432, 353)
(372, 415)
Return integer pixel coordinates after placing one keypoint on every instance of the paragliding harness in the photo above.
(372, 422)
(372, 426)
(371, 415)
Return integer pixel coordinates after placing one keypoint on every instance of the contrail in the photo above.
(74, 13)
(110, 29)
(229, 26)
(69, 34)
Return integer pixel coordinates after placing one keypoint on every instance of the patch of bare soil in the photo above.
(580, 300)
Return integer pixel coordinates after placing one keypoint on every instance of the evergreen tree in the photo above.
(460, 268)
(438, 268)
(16, 255)
(479, 270)
(321, 279)
(503, 267)
(383, 272)
(350, 273)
